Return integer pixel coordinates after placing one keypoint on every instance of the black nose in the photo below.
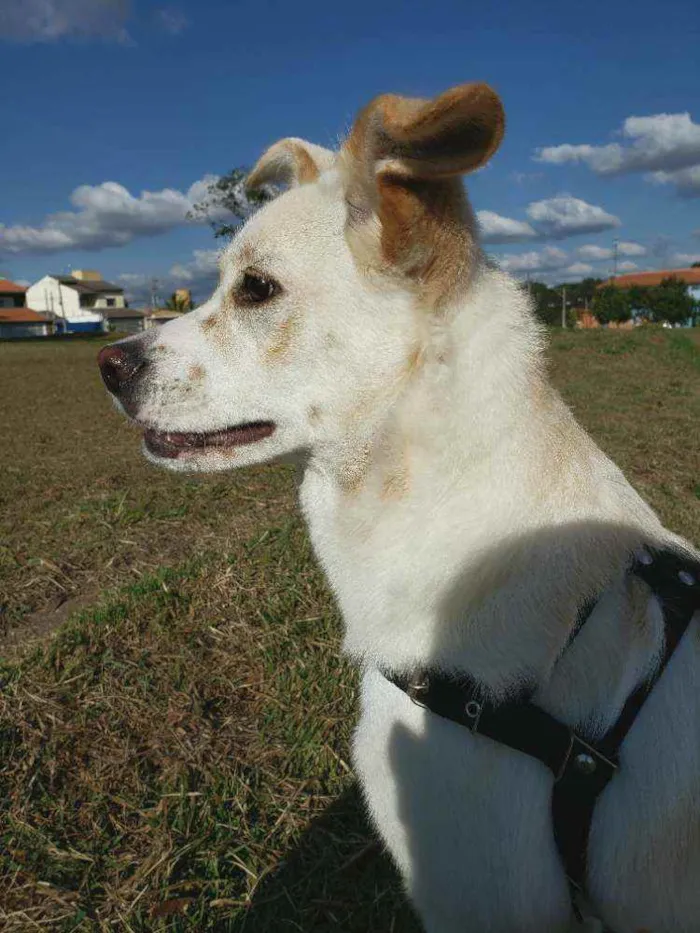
(121, 365)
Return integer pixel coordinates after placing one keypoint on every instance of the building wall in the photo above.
(127, 325)
(48, 295)
(15, 331)
(101, 301)
(585, 319)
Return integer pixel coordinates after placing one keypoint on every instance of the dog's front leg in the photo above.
(466, 821)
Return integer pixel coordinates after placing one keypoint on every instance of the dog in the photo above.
(460, 513)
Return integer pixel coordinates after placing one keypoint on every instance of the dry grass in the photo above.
(175, 756)
(80, 508)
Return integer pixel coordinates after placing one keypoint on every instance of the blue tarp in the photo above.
(82, 327)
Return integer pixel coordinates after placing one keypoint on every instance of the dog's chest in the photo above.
(387, 586)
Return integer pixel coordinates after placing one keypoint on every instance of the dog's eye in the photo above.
(256, 288)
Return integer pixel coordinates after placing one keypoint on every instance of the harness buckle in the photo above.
(585, 759)
(417, 690)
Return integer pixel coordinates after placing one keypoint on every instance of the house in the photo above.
(585, 319)
(23, 322)
(691, 277)
(16, 320)
(622, 325)
(157, 316)
(11, 294)
(77, 302)
(126, 320)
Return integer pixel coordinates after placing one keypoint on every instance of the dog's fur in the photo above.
(460, 513)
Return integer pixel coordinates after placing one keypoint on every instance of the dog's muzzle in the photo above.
(122, 366)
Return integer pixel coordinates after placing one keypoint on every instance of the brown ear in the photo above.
(290, 162)
(402, 163)
(455, 133)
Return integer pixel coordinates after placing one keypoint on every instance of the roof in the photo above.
(119, 313)
(22, 316)
(86, 287)
(165, 312)
(8, 287)
(689, 276)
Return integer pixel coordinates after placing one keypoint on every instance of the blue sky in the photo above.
(105, 100)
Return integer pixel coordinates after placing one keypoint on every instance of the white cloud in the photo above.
(592, 253)
(550, 265)
(201, 270)
(686, 180)
(682, 260)
(662, 142)
(629, 248)
(578, 269)
(107, 215)
(49, 20)
(498, 229)
(568, 216)
(200, 274)
(543, 260)
(172, 20)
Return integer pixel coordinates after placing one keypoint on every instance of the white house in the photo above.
(76, 301)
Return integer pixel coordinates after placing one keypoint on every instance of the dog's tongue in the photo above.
(172, 443)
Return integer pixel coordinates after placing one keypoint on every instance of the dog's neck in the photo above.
(476, 496)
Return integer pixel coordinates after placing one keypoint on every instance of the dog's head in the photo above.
(326, 295)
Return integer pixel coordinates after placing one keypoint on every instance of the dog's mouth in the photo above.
(173, 444)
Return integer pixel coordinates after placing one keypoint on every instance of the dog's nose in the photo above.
(120, 366)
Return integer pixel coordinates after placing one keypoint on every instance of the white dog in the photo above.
(462, 517)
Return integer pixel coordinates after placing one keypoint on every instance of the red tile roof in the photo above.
(689, 276)
(21, 316)
(8, 287)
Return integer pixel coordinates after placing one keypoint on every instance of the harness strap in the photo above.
(581, 769)
(675, 581)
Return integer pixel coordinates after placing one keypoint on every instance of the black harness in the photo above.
(582, 769)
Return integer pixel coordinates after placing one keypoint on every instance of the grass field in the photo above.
(174, 713)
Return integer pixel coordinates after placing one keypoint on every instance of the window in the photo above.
(111, 302)
(6, 301)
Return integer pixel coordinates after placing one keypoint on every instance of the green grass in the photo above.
(174, 711)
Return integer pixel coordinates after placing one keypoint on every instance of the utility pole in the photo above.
(563, 306)
(616, 244)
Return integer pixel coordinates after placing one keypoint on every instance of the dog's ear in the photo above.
(455, 133)
(402, 164)
(290, 162)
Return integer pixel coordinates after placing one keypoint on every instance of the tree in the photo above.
(639, 300)
(179, 302)
(547, 302)
(582, 293)
(227, 203)
(612, 304)
(671, 302)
